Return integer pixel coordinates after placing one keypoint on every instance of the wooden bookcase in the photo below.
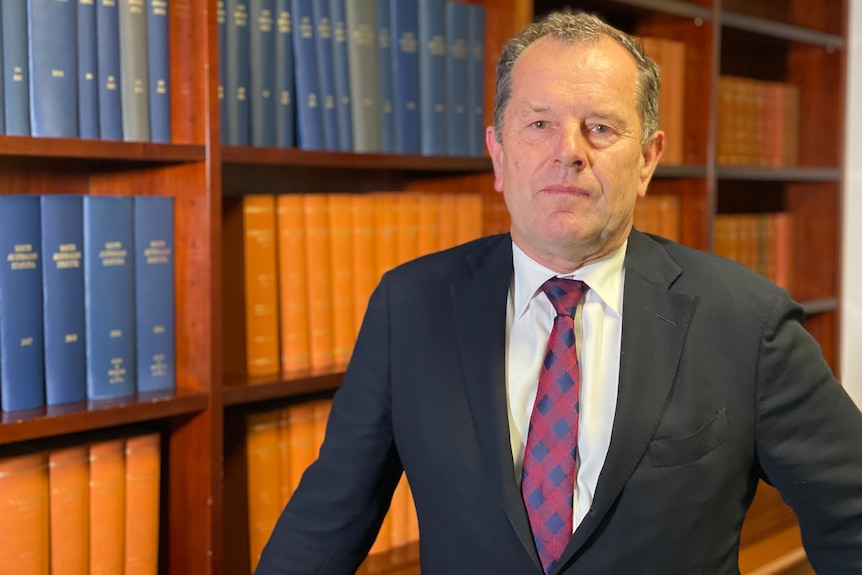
(203, 507)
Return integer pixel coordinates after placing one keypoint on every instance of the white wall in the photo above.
(851, 316)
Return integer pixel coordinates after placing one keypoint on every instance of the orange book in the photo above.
(364, 266)
(264, 484)
(24, 514)
(69, 480)
(250, 287)
(468, 217)
(319, 280)
(412, 517)
(408, 227)
(143, 479)
(341, 237)
(284, 457)
(303, 450)
(447, 227)
(429, 223)
(292, 297)
(385, 236)
(669, 218)
(107, 507)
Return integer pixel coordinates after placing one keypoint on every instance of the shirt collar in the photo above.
(605, 278)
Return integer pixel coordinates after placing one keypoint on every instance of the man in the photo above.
(693, 376)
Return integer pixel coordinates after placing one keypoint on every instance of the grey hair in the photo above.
(570, 28)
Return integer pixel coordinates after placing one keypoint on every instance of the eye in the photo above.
(600, 129)
(539, 124)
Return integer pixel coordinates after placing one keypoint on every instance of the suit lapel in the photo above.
(480, 319)
(655, 322)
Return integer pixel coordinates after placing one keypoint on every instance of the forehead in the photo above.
(548, 61)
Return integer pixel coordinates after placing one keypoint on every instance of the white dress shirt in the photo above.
(598, 328)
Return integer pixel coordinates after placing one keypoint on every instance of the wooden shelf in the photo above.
(241, 391)
(795, 174)
(86, 416)
(781, 30)
(14, 147)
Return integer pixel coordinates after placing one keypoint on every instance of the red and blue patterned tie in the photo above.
(547, 481)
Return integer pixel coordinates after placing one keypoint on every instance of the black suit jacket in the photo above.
(719, 385)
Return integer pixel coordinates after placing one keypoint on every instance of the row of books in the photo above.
(299, 268)
(669, 55)
(765, 242)
(280, 445)
(94, 69)
(658, 214)
(758, 123)
(391, 76)
(81, 509)
(86, 298)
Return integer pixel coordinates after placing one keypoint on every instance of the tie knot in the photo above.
(565, 294)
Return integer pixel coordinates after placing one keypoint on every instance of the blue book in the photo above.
(22, 375)
(221, 20)
(237, 125)
(108, 69)
(134, 71)
(341, 67)
(109, 296)
(154, 292)
(364, 75)
(63, 298)
(476, 80)
(2, 113)
(158, 49)
(262, 54)
(88, 86)
(432, 74)
(326, 71)
(405, 70)
(53, 45)
(16, 67)
(285, 95)
(309, 115)
(456, 78)
(384, 68)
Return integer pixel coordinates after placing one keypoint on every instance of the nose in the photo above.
(574, 146)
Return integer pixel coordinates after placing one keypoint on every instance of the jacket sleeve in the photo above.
(809, 440)
(334, 515)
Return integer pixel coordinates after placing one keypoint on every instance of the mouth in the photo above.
(564, 190)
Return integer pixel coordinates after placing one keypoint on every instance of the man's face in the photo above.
(571, 164)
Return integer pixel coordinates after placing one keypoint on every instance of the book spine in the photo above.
(16, 68)
(384, 61)
(63, 298)
(134, 71)
(88, 86)
(69, 484)
(293, 300)
(324, 39)
(21, 335)
(262, 54)
(154, 292)
(107, 506)
(456, 27)
(319, 278)
(285, 95)
(108, 65)
(237, 74)
(52, 47)
(340, 238)
(476, 80)
(432, 68)
(364, 75)
(143, 465)
(264, 482)
(109, 296)
(24, 530)
(221, 24)
(309, 115)
(159, 72)
(341, 65)
(405, 70)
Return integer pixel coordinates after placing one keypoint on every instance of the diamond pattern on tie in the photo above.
(547, 481)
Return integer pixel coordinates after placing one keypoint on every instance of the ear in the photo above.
(651, 155)
(495, 149)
